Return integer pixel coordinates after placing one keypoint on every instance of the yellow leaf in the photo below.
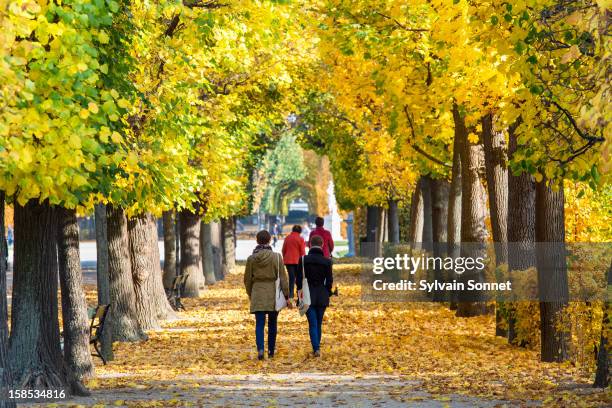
(93, 107)
(116, 137)
(84, 113)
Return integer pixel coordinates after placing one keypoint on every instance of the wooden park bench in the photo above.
(174, 294)
(96, 327)
(98, 319)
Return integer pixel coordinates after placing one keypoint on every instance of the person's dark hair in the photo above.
(297, 228)
(263, 237)
(316, 241)
(319, 221)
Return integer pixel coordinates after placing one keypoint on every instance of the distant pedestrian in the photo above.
(306, 231)
(275, 234)
(328, 242)
(318, 271)
(10, 236)
(263, 267)
(294, 247)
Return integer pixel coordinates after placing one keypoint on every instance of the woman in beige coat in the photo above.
(262, 270)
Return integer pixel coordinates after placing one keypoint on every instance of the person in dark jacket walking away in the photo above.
(262, 270)
(318, 270)
(319, 231)
(294, 248)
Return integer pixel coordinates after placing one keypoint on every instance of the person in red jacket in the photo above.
(328, 242)
(294, 248)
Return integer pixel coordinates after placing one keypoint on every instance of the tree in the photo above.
(123, 318)
(473, 230)
(439, 215)
(521, 225)
(602, 373)
(169, 249)
(102, 277)
(494, 142)
(394, 225)
(35, 356)
(190, 253)
(206, 246)
(74, 307)
(5, 372)
(552, 270)
(151, 302)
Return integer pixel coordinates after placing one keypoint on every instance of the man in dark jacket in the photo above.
(318, 270)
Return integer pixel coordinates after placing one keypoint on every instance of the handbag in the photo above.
(304, 298)
(280, 302)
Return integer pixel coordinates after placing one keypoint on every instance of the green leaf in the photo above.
(494, 20)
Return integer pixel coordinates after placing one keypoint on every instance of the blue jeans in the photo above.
(260, 323)
(315, 320)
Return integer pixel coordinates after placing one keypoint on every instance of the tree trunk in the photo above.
(373, 219)
(439, 199)
(190, 253)
(521, 226)
(206, 246)
(497, 184)
(74, 306)
(5, 373)
(34, 345)
(602, 373)
(229, 244)
(169, 249)
(417, 208)
(496, 168)
(453, 226)
(552, 270)
(122, 317)
(473, 229)
(427, 213)
(151, 302)
(103, 277)
(217, 248)
(393, 225)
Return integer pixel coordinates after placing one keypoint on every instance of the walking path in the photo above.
(373, 355)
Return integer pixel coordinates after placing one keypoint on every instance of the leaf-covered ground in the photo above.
(373, 354)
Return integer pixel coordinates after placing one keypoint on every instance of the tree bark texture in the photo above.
(495, 151)
(453, 225)
(521, 226)
(169, 249)
(552, 270)
(75, 321)
(217, 248)
(393, 219)
(473, 228)
(5, 373)
(417, 208)
(206, 246)
(103, 277)
(427, 213)
(229, 244)
(602, 373)
(151, 302)
(190, 253)
(373, 227)
(439, 215)
(123, 316)
(34, 346)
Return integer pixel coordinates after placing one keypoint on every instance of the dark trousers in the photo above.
(260, 323)
(292, 271)
(315, 321)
